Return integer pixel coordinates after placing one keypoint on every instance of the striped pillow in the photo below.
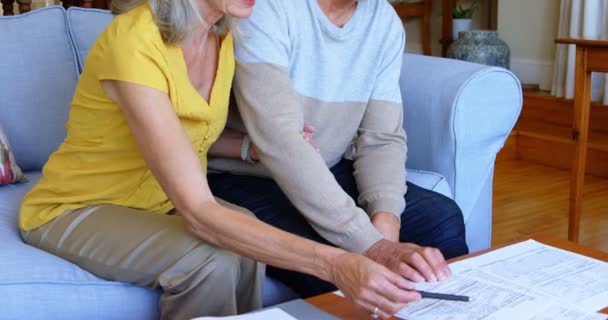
(9, 171)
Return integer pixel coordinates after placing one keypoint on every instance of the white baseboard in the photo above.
(533, 72)
(541, 73)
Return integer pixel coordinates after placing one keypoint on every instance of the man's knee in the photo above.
(454, 242)
(453, 215)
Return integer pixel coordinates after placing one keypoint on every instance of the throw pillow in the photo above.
(9, 171)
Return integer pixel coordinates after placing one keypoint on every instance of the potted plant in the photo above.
(463, 18)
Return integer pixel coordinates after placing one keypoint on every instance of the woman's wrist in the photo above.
(248, 152)
(326, 259)
(253, 153)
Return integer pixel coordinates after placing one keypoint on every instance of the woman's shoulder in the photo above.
(135, 25)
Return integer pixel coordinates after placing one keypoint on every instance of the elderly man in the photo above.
(333, 64)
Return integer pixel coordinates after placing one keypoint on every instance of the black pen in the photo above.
(442, 296)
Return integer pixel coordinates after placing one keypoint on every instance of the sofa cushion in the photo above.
(56, 288)
(430, 180)
(38, 74)
(10, 201)
(85, 26)
(9, 170)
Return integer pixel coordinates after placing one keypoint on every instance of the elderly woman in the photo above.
(126, 197)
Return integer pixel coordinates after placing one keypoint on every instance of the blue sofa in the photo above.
(457, 117)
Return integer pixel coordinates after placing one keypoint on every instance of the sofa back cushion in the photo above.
(38, 74)
(85, 27)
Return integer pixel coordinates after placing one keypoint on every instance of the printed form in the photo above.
(528, 280)
(269, 314)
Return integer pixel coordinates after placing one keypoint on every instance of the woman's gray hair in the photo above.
(176, 19)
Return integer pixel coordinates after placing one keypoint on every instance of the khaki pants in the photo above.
(155, 251)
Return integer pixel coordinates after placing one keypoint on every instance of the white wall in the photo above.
(530, 27)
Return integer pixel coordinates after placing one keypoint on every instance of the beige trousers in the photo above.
(155, 251)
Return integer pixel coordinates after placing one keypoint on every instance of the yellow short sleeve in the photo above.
(134, 56)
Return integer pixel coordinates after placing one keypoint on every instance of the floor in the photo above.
(533, 199)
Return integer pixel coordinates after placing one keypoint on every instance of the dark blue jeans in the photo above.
(430, 219)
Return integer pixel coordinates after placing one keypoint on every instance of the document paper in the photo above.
(528, 280)
(270, 314)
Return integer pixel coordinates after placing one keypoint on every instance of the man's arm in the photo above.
(295, 165)
(381, 144)
(273, 117)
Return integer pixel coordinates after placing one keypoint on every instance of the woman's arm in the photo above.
(229, 143)
(168, 152)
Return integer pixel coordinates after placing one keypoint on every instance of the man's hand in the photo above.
(387, 224)
(411, 261)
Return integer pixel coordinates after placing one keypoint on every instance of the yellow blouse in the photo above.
(98, 162)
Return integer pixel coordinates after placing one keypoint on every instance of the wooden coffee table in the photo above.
(342, 309)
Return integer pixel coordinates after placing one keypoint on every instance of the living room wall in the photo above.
(530, 28)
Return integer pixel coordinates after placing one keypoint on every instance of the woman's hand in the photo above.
(307, 133)
(369, 285)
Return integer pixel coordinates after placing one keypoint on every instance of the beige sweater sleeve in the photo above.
(274, 119)
(380, 154)
(381, 144)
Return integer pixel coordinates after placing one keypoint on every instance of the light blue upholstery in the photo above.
(85, 26)
(457, 118)
(38, 285)
(430, 180)
(38, 74)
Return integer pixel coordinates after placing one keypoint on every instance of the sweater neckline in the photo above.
(333, 30)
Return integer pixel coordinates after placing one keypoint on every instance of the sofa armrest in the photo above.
(457, 116)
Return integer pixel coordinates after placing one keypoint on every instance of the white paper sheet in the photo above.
(528, 280)
(270, 314)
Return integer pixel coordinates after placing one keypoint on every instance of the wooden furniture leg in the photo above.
(67, 3)
(446, 25)
(24, 6)
(420, 9)
(101, 4)
(426, 28)
(580, 137)
(7, 7)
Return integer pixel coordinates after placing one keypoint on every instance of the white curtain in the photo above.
(580, 19)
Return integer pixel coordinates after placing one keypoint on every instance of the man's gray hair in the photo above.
(176, 19)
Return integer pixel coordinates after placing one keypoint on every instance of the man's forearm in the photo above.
(387, 224)
(295, 165)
